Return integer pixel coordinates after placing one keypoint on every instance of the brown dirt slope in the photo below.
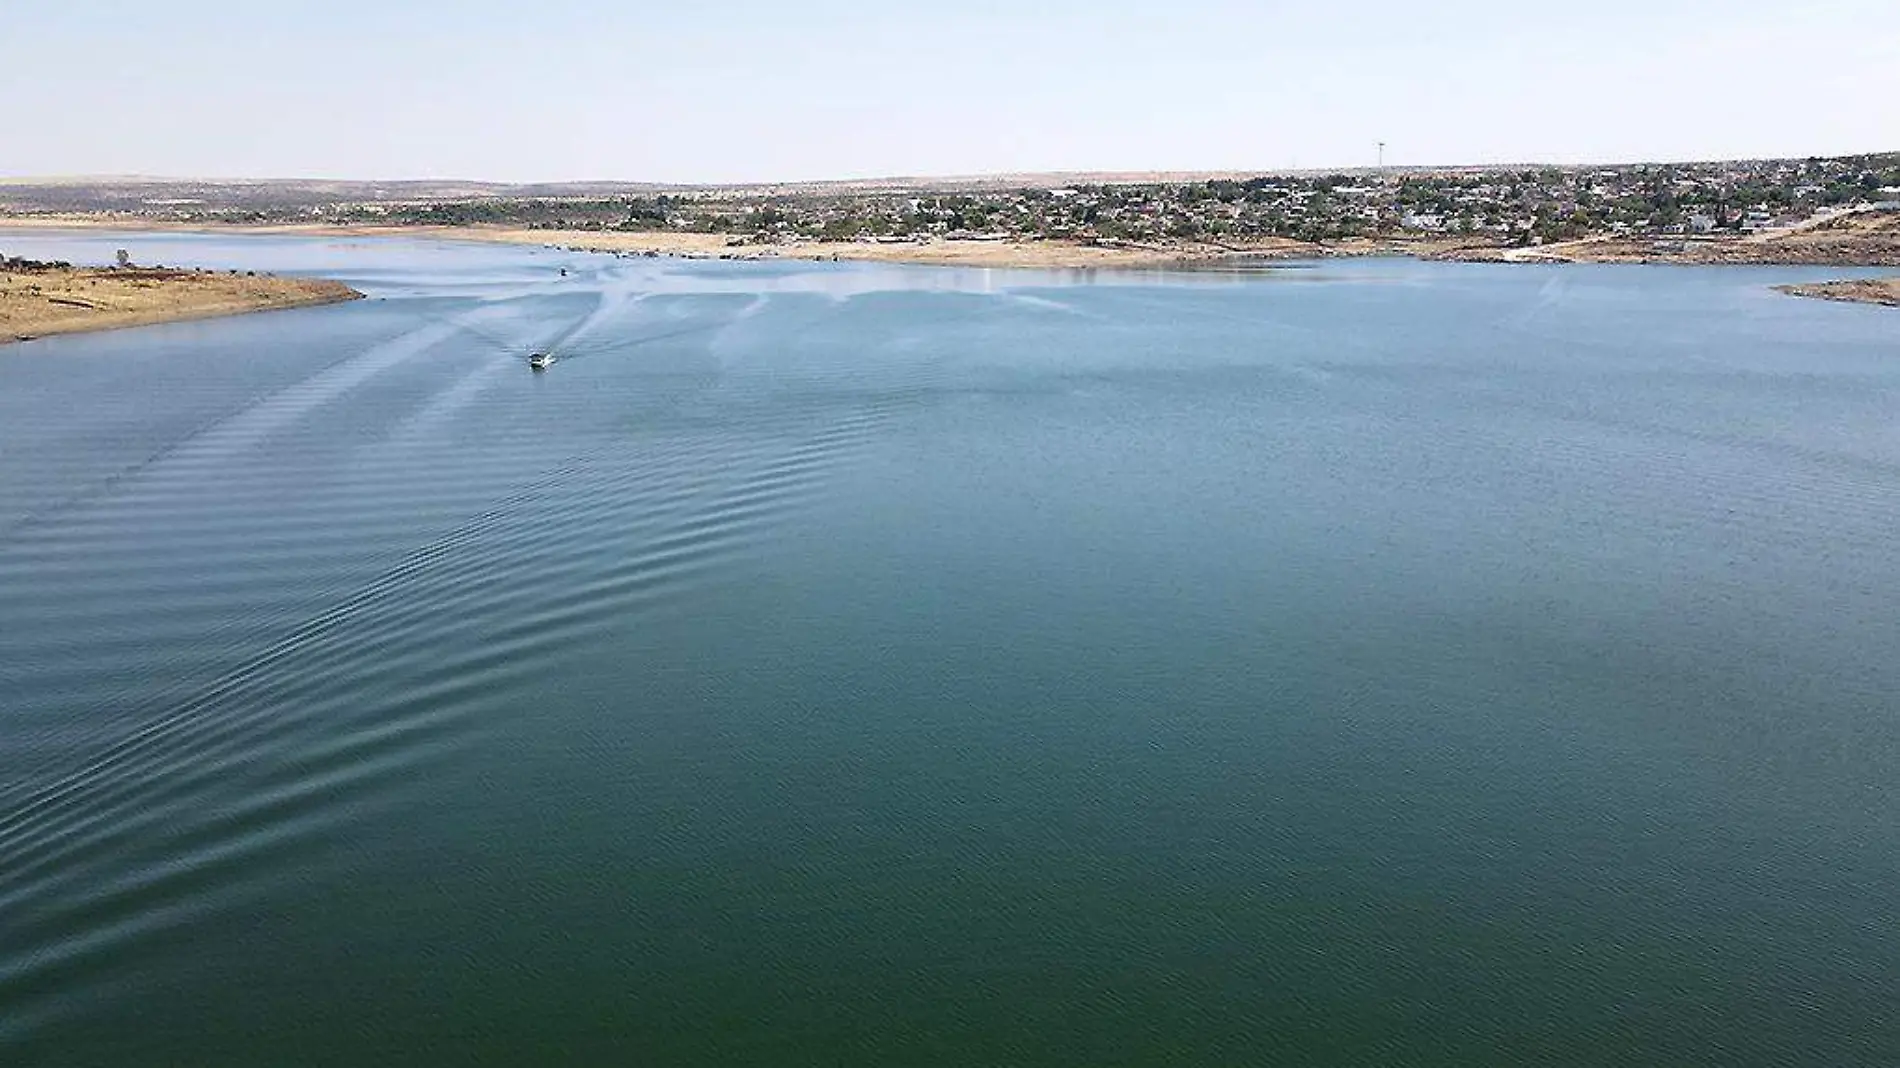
(1859, 291)
(1856, 239)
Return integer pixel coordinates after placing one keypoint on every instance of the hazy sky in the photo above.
(730, 90)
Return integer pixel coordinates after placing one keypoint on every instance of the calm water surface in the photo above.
(1375, 664)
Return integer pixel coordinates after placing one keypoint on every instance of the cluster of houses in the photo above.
(1510, 204)
(1530, 205)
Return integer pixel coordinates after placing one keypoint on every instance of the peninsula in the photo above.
(1857, 291)
(40, 298)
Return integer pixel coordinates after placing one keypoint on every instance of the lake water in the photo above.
(1376, 663)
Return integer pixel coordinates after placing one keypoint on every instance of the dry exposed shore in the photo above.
(942, 252)
(1855, 239)
(1857, 291)
(39, 301)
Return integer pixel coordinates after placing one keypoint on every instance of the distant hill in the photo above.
(143, 195)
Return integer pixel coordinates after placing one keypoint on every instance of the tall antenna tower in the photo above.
(1382, 155)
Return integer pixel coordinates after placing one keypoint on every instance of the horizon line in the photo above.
(1127, 174)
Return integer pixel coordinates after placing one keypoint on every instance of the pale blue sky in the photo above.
(736, 90)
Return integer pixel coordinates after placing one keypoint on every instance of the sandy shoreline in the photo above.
(938, 252)
(1865, 239)
(1855, 239)
(942, 252)
(40, 302)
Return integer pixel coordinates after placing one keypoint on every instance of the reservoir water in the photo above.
(1368, 663)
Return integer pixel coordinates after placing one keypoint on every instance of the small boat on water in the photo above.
(540, 361)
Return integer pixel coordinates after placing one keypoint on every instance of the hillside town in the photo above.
(1633, 211)
(1519, 207)
(1508, 206)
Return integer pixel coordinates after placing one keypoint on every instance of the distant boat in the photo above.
(541, 361)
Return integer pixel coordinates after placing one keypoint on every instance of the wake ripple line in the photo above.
(379, 587)
(335, 369)
(183, 723)
(724, 522)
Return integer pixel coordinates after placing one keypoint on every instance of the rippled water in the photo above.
(1378, 663)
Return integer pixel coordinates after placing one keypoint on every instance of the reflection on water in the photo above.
(1377, 662)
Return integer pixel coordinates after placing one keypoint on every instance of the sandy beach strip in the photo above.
(42, 301)
(947, 252)
(1859, 239)
(942, 252)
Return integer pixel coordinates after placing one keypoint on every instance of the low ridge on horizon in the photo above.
(1036, 177)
